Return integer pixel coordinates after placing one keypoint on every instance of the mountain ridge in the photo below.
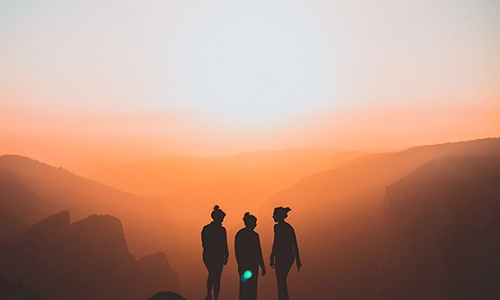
(340, 211)
(88, 259)
(441, 232)
(168, 177)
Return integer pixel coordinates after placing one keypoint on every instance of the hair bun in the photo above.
(247, 214)
(216, 207)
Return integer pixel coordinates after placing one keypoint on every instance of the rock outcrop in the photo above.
(88, 259)
(156, 275)
(10, 225)
(441, 232)
(167, 296)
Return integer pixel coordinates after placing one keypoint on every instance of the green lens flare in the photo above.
(248, 274)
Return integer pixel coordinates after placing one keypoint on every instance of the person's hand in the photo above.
(272, 263)
(299, 264)
(263, 271)
(224, 261)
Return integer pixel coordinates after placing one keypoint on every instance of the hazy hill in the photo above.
(377, 171)
(338, 217)
(32, 190)
(255, 187)
(171, 176)
(19, 199)
(88, 259)
(441, 232)
(53, 189)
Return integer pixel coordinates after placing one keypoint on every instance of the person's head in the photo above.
(280, 213)
(218, 215)
(250, 220)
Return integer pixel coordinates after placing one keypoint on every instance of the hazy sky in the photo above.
(207, 77)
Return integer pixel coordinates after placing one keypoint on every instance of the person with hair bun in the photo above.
(249, 257)
(215, 251)
(285, 250)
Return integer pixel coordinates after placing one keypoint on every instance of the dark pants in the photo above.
(248, 287)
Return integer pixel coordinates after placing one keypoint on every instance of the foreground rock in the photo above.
(88, 259)
(441, 232)
(167, 296)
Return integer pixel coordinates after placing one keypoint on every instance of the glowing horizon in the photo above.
(113, 80)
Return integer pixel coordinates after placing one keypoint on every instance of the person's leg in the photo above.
(209, 279)
(216, 284)
(241, 296)
(252, 284)
(209, 287)
(282, 268)
(281, 274)
(248, 287)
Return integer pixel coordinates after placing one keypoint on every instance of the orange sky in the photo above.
(127, 81)
(72, 140)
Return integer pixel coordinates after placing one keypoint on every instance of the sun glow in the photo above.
(175, 78)
(251, 63)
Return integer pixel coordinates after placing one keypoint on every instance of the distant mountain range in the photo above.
(88, 259)
(338, 212)
(195, 178)
(32, 190)
(338, 216)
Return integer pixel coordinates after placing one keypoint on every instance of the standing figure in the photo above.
(249, 257)
(215, 251)
(285, 250)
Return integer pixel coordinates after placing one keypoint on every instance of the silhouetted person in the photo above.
(215, 251)
(249, 257)
(285, 250)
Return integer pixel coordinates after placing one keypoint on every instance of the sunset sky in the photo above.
(125, 80)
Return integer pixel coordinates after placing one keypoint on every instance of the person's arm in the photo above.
(273, 254)
(296, 249)
(226, 252)
(203, 238)
(237, 247)
(261, 259)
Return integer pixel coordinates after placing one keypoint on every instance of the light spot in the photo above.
(246, 275)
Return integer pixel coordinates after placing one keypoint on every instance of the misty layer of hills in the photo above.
(415, 224)
(341, 232)
(251, 174)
